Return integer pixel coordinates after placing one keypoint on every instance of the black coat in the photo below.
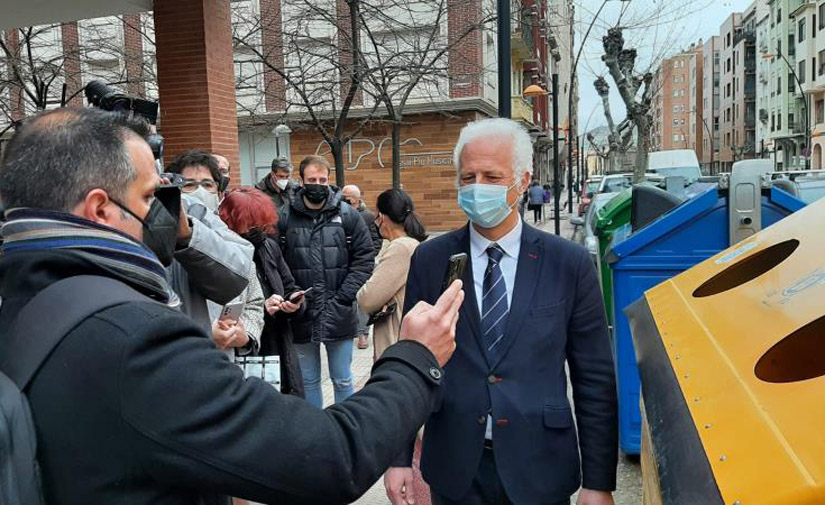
(369, 219)
(330, 251)
(276, 338)
(137, 406)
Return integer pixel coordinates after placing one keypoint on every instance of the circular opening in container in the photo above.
(799, 356)
(747, 269)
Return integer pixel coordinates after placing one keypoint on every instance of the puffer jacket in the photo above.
(329, 250)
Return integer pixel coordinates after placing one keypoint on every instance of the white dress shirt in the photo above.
(511, 245)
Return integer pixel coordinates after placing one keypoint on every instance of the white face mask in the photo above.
(209, 200)
(282, 183)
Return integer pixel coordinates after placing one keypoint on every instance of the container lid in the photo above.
(619, 203)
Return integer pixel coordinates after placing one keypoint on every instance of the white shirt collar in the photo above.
(509, 243)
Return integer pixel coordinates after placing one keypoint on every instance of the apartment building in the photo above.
(711, 103)
(786, 108)
(271, 121)
(763, 84)
(676, 107)
(809, 20)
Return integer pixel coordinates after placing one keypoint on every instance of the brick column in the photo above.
(346, 58)
(196, 78)
(273, 47)
(133, 50)
(465, 58)
(16, 109)
(71, 63)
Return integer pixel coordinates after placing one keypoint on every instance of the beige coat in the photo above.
(385, 287)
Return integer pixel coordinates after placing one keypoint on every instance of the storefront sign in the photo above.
(384, 154)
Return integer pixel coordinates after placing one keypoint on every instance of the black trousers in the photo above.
(486, 489)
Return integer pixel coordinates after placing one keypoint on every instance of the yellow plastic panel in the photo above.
(764, 439)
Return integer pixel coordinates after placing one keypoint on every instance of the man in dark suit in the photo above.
(504, 430)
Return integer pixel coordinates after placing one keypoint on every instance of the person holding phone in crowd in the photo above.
(382, 297)
(503, 431)
(250, 213)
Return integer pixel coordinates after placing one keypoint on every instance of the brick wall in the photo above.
(17, 111)
(196, 77)
(133, 42)
(465, 57)
(273, 48)
(431, 185)
(71, 63)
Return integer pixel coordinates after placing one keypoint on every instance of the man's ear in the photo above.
(96, 207)
(525, 181)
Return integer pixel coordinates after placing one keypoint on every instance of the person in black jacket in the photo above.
(136, 405)
(250, 213)
(327, 247)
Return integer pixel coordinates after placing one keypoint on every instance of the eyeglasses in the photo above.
(190, 186)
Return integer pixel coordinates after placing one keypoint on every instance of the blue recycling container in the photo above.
(685, 236)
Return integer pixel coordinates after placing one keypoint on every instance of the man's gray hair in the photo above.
(57, 157)
(498, 127)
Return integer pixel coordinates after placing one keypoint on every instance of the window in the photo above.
(675, 122)
(779, 84)
(821, 16)
(791, 83)
(813, 26)
(801, 72)
(820, 111)
(800, 30)
(778, 46)
(791, 122)
(675, 93)
(727, 40)
(821, 61)
(791, 45)
(778, 15)
(779, 121)
(675, 108)
(676, 137)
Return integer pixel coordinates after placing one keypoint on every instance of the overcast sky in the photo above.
(656, 28)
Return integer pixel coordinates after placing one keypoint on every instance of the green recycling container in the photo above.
(614, 215)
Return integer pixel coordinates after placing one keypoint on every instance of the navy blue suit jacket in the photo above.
(556, 316)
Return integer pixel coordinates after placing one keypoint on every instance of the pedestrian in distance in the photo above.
(133, 403)
(277, 184)
(383, 295)
(328, 249)
(503, 432)
(536, 195)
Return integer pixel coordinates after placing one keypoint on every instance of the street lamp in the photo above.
(504, 33)
(806, 144)
(534, 91)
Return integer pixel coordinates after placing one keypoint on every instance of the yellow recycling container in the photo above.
(731, 357)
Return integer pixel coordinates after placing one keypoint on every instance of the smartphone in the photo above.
(456, 266)
(298, 295)
(232, 311)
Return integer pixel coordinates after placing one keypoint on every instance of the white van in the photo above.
(676, 162)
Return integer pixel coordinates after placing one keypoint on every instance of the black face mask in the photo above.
(160, 226)
(316, 193)
(255, 236)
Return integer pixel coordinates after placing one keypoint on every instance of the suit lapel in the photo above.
(469, 309)
(527, 277)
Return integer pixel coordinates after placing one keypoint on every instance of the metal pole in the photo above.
(504, 34)
(556, 175)
(807, 112)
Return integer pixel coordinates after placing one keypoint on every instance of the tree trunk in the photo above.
(338, 156)
(642, 148)
(396, 153)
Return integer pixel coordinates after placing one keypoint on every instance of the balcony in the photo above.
(522, 42)
(522, 110)
(749, 36)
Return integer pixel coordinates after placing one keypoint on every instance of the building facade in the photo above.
(809, 19)
(711, 103)
(271, 50)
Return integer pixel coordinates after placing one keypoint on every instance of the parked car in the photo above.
(675, 163)
(590, 187)
(808, 186)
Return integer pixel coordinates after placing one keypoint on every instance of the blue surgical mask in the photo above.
(485, 204)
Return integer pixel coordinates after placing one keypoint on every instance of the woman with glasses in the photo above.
(383, 295)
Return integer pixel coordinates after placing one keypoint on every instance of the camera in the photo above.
(102, 96)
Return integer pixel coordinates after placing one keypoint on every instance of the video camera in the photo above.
(102, 96)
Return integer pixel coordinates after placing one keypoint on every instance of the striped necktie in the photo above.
(494, 306)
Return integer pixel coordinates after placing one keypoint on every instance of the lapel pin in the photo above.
(533, 256)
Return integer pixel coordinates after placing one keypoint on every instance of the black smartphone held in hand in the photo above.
(455, 269)
(299, 295)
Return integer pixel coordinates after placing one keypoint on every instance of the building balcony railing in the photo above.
(523, 43)
(746, 35)
(522, 109)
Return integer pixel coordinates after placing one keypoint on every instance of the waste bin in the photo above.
(682, 238)
(730, 355)
(614, 215)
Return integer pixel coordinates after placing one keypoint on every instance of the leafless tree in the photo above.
(619, 138)
(314, 48)
(406, 56)
(636, 92)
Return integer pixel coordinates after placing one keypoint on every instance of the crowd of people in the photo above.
(133, 404)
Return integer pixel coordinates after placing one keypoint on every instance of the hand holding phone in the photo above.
(456, 266)
(232, 311)
(297, 296)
